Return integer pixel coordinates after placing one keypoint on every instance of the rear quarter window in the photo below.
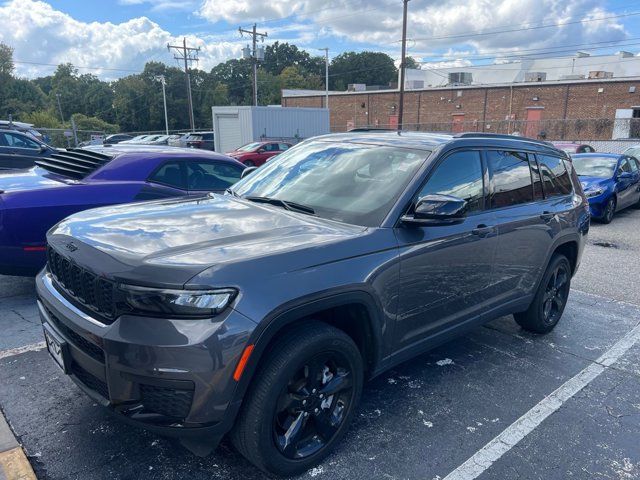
(555, 177)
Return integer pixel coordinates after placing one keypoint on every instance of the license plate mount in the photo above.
(57, 347)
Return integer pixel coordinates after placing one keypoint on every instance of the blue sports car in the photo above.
(35, 199)
(610, 181)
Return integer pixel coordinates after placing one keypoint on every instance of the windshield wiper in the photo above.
(232, 192)
(287, 205)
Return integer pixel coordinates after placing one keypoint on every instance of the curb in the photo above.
(13, 462)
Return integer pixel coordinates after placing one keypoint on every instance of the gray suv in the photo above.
(260, 313)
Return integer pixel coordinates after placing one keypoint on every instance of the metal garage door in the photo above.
(229, 132)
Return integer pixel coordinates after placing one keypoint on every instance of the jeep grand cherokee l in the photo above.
(260, 312)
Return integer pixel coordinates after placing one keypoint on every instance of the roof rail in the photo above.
(501, 135)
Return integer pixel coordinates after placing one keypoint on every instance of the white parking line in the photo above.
(496, 448)
(34, 347)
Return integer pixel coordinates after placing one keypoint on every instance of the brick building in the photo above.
(574, 109)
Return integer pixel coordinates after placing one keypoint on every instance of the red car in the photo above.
(571, 147)
(257, 153)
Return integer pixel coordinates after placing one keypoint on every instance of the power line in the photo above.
(254, 57)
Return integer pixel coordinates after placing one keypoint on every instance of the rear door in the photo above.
(627, 187)
(524, 226)
(635, 169)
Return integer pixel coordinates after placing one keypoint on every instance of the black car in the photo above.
(19, 150)
(201, 140)
(116, 138)
(262, 311)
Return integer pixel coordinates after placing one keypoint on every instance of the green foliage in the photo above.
(372, 68)
(134, 103)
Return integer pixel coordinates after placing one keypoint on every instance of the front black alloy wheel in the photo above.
(311, 408)
(551, 298)
(301, 400)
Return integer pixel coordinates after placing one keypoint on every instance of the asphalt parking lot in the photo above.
(499, 403)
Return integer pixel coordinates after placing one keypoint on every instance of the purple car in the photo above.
(33, 200)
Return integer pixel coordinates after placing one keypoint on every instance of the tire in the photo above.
(551, 298)
(249, 163)
(282, 412)
(609, 211)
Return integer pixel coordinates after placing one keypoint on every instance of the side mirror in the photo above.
(437, 209)
(261, 150)
(43, 148)
(247, 171)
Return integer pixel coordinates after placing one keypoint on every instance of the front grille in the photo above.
(94, 292)
(89, 380)
(91, 349)
(166, 401)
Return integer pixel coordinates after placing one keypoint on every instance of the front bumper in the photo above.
(597, 205)
(174, 377)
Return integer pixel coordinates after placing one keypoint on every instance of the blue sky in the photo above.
(115, 37)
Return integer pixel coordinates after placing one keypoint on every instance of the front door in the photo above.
(627, 187)
(532, 125)
(457, 124)
(445, 270)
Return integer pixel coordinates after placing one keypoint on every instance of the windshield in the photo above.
(602, 167)
(351, 183)
(249, 147)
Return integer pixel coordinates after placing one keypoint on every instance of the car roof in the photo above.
(430, 141)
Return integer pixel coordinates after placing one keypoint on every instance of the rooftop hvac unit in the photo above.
(572, 77)
(625, 54)
(356, 87)
(582, 54)
(460, 78)
(535, 76)
(600, 74)
(414, 84)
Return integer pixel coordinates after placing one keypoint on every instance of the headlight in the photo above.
(183, 303)
(593, 193)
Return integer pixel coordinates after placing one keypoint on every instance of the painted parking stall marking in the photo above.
(518, 430)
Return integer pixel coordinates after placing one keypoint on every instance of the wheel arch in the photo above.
(363, 323)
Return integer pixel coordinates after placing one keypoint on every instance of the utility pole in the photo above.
(163, 81)
(188, 54)
(254, 57)
(59, 107)
(326, 76)
(402, 63)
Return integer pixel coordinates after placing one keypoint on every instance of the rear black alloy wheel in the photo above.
(555, 295)
(301, 399)
(551, 298)
(311, 408)
(609, 211)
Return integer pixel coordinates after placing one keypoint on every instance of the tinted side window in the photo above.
(212, 175)
(459, 175)
(283, 146)
(20, 141)
(625, 166)
(170, 174)
(510, 178)
(555, 177)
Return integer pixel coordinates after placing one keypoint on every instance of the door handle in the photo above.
(482, 230)
(547, 216)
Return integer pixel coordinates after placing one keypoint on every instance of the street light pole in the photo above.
(402, 64)
(326, 76)
(163, 81)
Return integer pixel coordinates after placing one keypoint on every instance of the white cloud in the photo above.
(41, 34)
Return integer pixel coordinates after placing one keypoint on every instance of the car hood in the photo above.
(589, 183)
(169, 242)
(28, 179)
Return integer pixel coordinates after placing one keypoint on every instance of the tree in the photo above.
(371, 68)
(410, 62)
(279, 56)
(6, 60)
